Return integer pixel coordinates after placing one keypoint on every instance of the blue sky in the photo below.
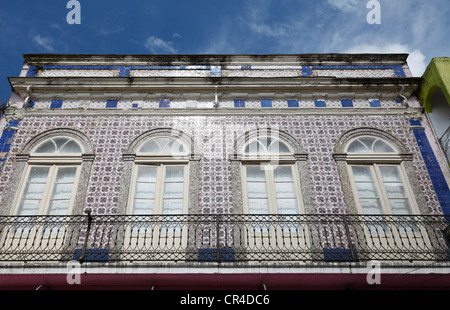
(417, 27)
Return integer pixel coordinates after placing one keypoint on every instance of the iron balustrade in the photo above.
(224, 238)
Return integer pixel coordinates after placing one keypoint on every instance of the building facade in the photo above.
(221, 171)
(434, 94)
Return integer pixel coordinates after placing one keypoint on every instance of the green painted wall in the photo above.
(436, 75)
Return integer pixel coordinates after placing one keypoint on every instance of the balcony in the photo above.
(224, 238)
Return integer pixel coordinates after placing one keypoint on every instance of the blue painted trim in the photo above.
(339, 255)
(347, 103)
(111, 103)
(124, 72)
(292, 103)
(306, 70)
(266, 103)
(56, 104)
(375, 103)
(239, 103)
(92, 255)
(32, 71)
(164, 103)
(320, 103)
(5, 141)
(434, 170)
(398, 70)
(210, 255)
(216, 71)
(111, 67)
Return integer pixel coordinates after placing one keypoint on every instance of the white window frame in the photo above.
(161, 161)
(378, 181)
(269, 161)
(270, 185)
(54, 161)
(160, 181)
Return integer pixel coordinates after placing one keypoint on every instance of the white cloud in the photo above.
(158, 46)
(416, 59)
(45, 42)
(110, 30)
(347, 5)
(276, 31)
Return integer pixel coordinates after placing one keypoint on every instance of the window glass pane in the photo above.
(145, 190)
(58, 207)
(366, 190)
(371, 206)
(71, 147)
(278, 147)
(175, 174)
(62, 191)
(283, 174)
(47, 147)
(173, 190)
(164, 146)
(287, 206)
(175, 147)
(254, 147)
(38, 174)
(362, 174)
(256, 190)
(357, 147)
(395, 190)
(172, 206)
(29, 207)
(367, 142)
(390, 174)
(147, 174)
(143, 206)
(382, 147)
(258, 206)
(34, 191)
(66, 175)
(285, 190)
(400, 206)
(150, 147)
(256, 173)
(59, 145)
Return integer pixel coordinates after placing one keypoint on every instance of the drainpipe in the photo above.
(216, 100)
(83, 252)
(27, 98)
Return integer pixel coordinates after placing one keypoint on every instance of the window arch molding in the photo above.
(295, 155)
(295, 149)
(138, 142)
(400, 156)
(81, 138)
(133, 156)
(28, 157)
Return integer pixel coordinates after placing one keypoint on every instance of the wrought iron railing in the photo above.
(224, 238)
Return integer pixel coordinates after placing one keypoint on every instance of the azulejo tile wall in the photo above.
(214, 137)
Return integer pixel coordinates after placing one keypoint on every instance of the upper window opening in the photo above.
(369, 145)
(59, 145)
(163, 145)
(267, 145)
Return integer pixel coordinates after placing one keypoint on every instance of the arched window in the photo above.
(51, 178)
(160, 178)
(378, 178)
(270, 176)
